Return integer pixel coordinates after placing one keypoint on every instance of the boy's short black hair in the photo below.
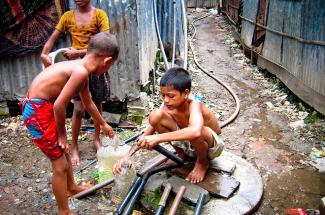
(178, 78)
(105, 44)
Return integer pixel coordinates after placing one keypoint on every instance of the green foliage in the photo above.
(311, 118)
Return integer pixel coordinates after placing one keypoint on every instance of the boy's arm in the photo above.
(93, 111)
(73, 53)
(46, 60)
(192, 131)
(73, 85)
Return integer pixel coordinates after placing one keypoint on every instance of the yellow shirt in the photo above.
(81, 34)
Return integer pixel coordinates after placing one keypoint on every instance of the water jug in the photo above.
(111, 151)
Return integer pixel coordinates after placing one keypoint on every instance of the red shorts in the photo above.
(38, 117)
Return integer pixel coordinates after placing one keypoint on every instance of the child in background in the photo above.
(44, 110)
(82, 23)
(188, 124)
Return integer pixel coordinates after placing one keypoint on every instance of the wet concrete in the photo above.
(260, 134)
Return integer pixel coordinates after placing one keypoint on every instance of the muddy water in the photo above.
(259, 134)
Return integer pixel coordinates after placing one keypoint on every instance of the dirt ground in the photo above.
(269, 133)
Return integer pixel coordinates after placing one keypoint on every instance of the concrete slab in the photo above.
(217, 184)
(192, 192)
(221, 164)
(249, 194)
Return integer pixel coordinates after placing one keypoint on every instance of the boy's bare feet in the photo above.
(75, 157)
(198, 173)
(77, 189)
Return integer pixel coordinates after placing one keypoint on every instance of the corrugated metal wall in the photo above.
(304, 60)
(165, 10)
(231, 8)
(16, 73)
(133, 24)
(202, 3)
(249, 12)
(294, 44)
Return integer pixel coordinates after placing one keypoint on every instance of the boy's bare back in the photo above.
(71, 76)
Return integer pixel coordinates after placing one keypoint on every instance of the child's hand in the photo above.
(108, 130)
(72, 54)
(117, 169)
(147, 142)
(63, 144)
(46, 60)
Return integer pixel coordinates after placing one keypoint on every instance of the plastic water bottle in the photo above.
(110, 152)
(123, 182)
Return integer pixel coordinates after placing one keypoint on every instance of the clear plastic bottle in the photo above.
(122, 184)
(110, 152)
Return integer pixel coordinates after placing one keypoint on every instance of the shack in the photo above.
(287, 38)
(28, 24)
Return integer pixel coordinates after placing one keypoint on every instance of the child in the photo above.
(82, 23)
(44, 109)
(188, 124)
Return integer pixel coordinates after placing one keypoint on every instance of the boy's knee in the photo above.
(60, 169)
(200, 143)
(155, 116)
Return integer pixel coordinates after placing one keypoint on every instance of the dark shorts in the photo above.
(39, 119)
(99, 87)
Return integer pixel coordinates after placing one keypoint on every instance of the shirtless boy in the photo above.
(44, 110)
(82, 23)
(188, 124)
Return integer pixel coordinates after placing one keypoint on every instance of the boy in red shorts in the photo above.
(44, 110)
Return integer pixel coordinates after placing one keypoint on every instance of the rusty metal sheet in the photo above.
(233, 8)
(248, 28)
(261, 18)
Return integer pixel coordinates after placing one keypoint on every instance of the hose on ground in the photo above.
(236, 112)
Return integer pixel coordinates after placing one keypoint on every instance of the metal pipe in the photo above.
(145, 178)
(136, 191)
(160, 210)
(169, 154)
(128, 196)
(93, 189)
(199, 204)
(163, 199)
(158, 34)
(133, 137)
(185, 33)
(174, 32)
(177, 200)
(154, 164)
(86, 166)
